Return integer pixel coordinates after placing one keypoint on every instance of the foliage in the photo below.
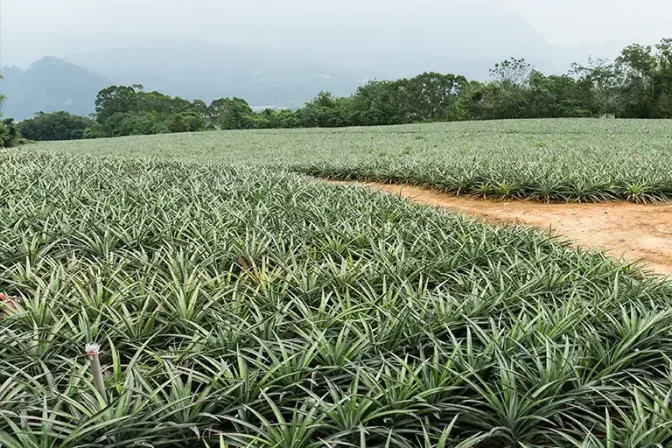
(96, 130)
(231, 113)
(427, 97)
(560, 160)
(186, 122)
(239, 305)
(9, 134)
(326, 111)
(54, 126)
(129, 110)
(275, 119)
(584, 160)
(113, 100)
(134, 123)
(638, 84)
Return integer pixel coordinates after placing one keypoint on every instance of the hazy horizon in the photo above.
(282, 54)
(33, 28)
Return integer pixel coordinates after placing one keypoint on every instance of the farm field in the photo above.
(239, 302)
(583, 160)
(626, 231)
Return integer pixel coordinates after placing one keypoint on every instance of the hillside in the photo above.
(194, 69)
(48, 85)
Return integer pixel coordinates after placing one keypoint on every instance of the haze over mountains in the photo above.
(283, 71)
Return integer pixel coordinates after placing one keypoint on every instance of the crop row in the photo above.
(248, 306)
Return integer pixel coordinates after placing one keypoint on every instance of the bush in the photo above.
(94, 131)
(9, 134)
(55, 126)
(186, 122)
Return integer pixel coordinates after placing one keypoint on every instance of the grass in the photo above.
(241, 303)
(582, 160)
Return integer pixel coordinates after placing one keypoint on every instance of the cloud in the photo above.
(31, 28)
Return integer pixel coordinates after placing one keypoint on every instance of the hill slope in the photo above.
(195, 69)
(48, 85)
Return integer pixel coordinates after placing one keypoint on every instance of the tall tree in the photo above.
(115, 99)
(55, 126)
(9, 135)
(601, 76)
(231, 113)
(636, 68)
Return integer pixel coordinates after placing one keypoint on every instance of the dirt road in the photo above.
(632, 231)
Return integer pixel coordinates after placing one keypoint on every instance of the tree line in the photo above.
(9, 133)
(637, 84)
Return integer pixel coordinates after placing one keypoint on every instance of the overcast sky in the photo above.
(297, 23)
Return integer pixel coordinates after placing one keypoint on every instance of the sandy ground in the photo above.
(634, 232)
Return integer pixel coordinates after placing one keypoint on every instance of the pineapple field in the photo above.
(584, 160)
(235, 300)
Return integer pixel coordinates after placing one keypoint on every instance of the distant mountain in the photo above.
(194, 69)
(281, 65)
(49, 85)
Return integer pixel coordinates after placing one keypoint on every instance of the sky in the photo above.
(575, 22)
(32, 27)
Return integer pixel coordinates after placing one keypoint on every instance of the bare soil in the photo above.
(633, 232)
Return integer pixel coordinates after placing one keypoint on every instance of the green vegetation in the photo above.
(549, 160)
(54, 126)
(245, 305)
(637, 85)
(9, 135)
(239, 302)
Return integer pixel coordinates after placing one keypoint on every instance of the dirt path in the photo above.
(632, 231)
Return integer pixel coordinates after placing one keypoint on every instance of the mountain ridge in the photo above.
(50, 84)
(267, 77)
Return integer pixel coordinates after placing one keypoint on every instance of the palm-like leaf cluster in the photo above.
(254, 307)
(544, 160)
(582, 160)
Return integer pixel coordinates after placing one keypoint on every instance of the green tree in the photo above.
(377, 103)
(200, 108)
(604, 84)
(96, 130)
(231, 113)
(134, 123)
(429, 96)
(55, 126)
(663, 83)
(508, 95)
(9, 134)
(637, 84)
(115, 99)
(327, 111)
(464, 106)
(512, 72)
(186, 122)
(560, 96)
(636, 68)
